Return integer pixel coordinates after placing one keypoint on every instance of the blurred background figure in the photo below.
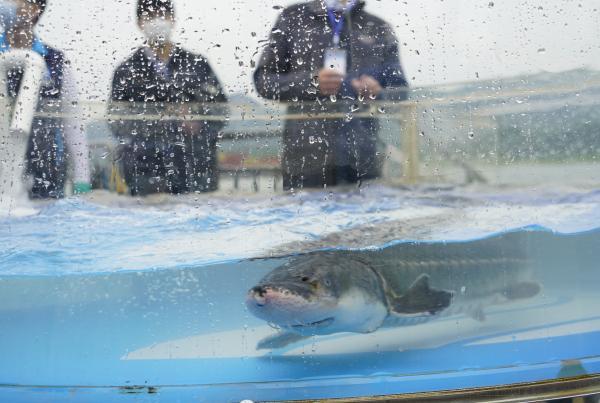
(54, 142)
(329, 56)
(173, 156)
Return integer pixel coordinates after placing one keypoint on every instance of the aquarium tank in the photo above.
(299, 200)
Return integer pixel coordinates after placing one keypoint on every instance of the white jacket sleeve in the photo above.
(74, 130)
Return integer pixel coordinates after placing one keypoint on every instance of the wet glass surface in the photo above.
(287, 201)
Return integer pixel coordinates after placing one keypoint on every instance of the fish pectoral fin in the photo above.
(279, 340)
(522, 290)
(421, 298)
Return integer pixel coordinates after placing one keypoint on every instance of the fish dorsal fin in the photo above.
(421, 298)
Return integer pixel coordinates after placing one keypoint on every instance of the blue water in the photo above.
(145, 301)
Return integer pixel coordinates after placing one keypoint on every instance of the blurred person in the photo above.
(322, 54)
(167, 155)
(54, 142)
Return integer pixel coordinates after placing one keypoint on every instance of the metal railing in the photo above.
(260, 118)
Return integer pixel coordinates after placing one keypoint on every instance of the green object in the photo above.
(81, 188)
(570, 368)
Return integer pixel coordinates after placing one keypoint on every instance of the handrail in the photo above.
(393, 105)
(102, 110)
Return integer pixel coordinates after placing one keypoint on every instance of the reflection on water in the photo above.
(190, 326)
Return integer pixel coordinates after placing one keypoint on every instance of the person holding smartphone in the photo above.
(328, 57)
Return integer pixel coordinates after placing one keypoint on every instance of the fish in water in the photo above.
(323, 293)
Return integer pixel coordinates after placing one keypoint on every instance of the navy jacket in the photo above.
(181, 156)
(315, 148)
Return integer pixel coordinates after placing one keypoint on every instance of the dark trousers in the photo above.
(157, 165)
(46, 163)
(335, 176)
(326, 153)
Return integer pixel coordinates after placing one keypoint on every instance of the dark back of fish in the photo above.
(473, 268)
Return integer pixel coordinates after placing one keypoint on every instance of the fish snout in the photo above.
(258, 295)
(260, 290)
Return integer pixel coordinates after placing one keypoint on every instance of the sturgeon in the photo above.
(327, 292)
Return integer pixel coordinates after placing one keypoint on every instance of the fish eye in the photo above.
(305, 279)
(327, 282)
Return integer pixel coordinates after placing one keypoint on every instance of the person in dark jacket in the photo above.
(328, 56)
(173, 156)
(55, 142)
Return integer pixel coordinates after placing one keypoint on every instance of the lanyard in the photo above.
(336, 24)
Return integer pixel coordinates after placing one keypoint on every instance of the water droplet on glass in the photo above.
(333, 98)
(300, 61)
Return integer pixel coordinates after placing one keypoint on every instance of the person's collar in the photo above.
(318, 8)
(151, 55)
(3, 43)
(37, 46)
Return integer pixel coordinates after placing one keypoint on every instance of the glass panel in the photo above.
(296, 201)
